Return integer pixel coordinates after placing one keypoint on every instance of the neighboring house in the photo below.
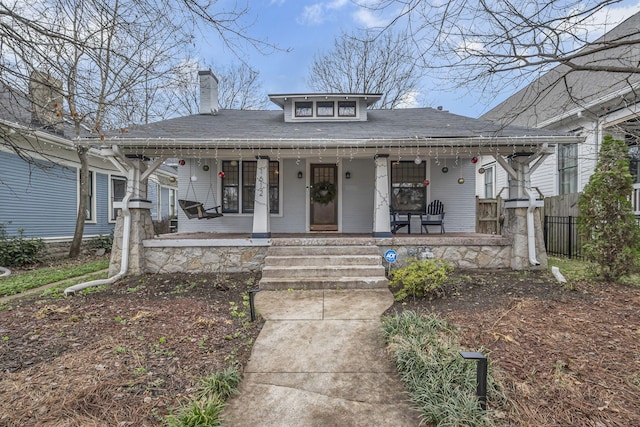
(324, 162)
(583, 102)
(39, 179)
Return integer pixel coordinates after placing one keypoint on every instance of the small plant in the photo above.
(120, 320)
(103, 241)
(20, 250)
(204, 412)
(419, 278)
(211, 394)
(223, 383)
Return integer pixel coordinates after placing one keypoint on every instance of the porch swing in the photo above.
(194, 209)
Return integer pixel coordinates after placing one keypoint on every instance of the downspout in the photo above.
(126, 236)
(4, 271)
(531, 235)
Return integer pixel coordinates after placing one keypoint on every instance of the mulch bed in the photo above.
(126, 355)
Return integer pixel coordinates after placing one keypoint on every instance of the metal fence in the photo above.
(561, 237)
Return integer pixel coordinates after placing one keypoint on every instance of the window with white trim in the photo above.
(118, 191)
(567, 168)
(408, 192)
(90, 213)
(489, 182)
(239, 184)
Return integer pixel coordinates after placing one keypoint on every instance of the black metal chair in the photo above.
(399, 220)
(433, 216)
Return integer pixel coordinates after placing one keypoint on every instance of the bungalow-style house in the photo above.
(39, 179)
(323, 165)
(592, 102)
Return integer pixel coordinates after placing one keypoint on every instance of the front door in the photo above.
(324, 197)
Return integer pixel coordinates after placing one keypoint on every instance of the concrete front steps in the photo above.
(323, 267)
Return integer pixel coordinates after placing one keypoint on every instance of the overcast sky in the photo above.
(308, 27)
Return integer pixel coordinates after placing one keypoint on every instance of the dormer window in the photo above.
(324, 108)
(304, 109)
(346, 108)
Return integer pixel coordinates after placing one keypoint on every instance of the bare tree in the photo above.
(366, 62)
(240, 88)
(497, 45)
(106, 55)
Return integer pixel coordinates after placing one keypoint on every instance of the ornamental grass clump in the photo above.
(419, 278)
(440, 382)
(210, 397)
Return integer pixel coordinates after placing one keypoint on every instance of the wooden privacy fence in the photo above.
(489, 216)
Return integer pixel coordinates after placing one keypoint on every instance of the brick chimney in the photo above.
(45, 93)
(208, 92)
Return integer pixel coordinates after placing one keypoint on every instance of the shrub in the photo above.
(103, 241)
(419, 278)
(608, 226)
(19, 251)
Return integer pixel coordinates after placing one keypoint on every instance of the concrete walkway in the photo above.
(320, 361)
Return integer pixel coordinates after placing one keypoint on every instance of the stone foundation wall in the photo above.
(207, 259)
(232, 259)
(461, 256)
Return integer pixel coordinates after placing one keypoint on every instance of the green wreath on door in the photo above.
(323, 192)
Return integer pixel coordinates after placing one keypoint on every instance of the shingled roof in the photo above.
(381, 124)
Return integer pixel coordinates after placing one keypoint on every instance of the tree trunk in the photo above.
(76, 244)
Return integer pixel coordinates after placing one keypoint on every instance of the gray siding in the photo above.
(293, 199)
(357, 196)
(458, 199)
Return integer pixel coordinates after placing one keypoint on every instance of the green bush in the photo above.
(19, 251)
(419, 278)
(103, 241)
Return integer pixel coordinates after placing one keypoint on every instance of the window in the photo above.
(90, 212)
(489, 184)
(233, 199)
(173, 213)
(408, 192)
(324, 109)
(118, 191)
(567, 168)
(347, 108)
(304, 109)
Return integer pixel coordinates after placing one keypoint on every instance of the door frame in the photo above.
(338, 198)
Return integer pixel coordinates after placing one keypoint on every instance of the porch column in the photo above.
(523, 222)
(381, 201)
(261, 214)
(141, 225)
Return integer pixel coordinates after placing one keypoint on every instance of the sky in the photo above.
(308, 27)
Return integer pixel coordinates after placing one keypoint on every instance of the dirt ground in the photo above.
(126, 355)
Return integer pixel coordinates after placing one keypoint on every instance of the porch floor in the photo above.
(329, 238)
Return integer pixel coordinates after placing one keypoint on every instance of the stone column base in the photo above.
(141, 229)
